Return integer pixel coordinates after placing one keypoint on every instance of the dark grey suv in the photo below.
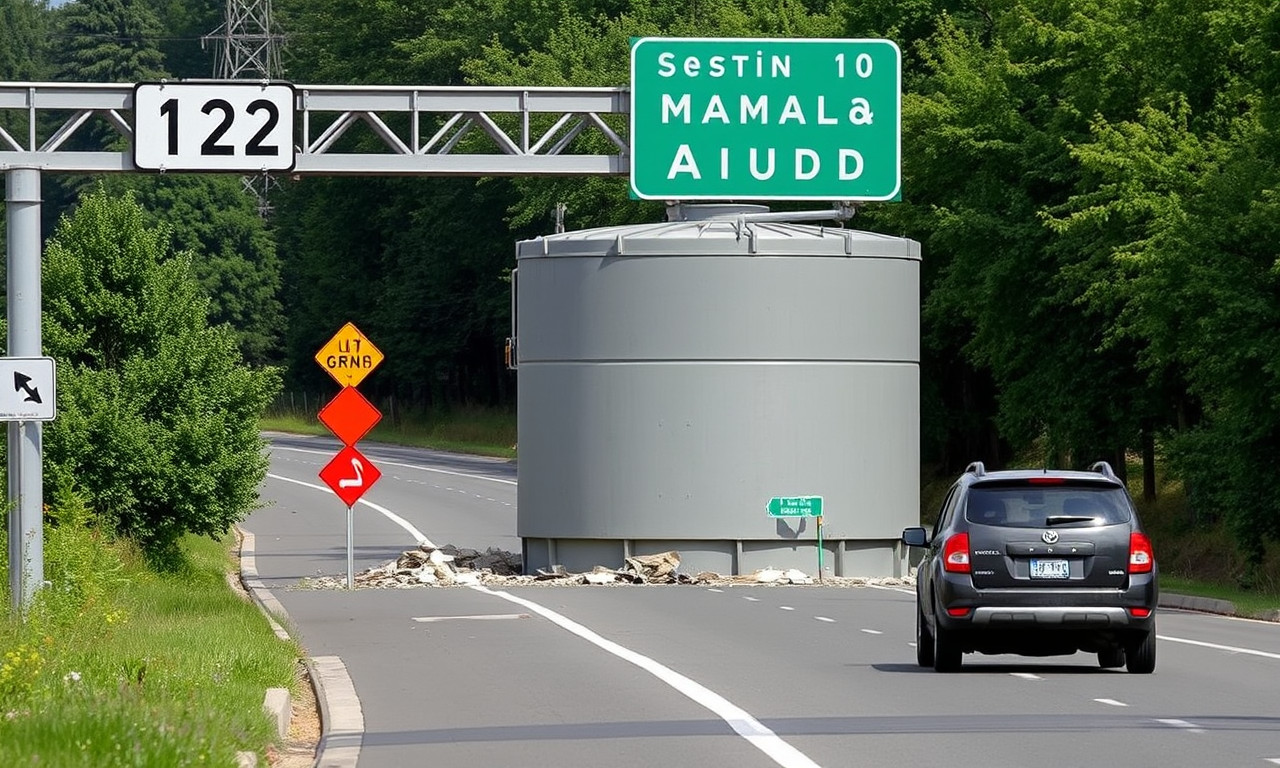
(1038, 563)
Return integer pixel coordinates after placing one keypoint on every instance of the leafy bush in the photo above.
(157, 412)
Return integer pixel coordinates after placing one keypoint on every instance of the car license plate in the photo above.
(1050, 569)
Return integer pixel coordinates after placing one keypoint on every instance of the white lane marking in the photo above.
(1215, 646)
(1111, 702)
(1181, 725)
(872, 631)
(1272, 760)
(417, 535)
(709, 589)
(385, 463)
(1026, 676)
(824, 618)
(912, 643)
(892, 589)
(737, 718)
(474, 617)
(752, 599)
(786, 608)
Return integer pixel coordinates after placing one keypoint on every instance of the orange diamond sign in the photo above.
(349, 415)
(349, 356)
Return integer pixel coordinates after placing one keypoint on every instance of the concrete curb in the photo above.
(341, 720)
(1209, 605)
(342, 731)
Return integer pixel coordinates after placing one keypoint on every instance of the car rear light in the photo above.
(1046, 480)
(1139, 613)
(1141, 556)
(955, 554)
(958, 613)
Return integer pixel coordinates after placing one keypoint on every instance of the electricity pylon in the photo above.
(248, 49)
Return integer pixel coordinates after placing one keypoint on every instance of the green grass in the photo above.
(479, 431)
(117, 665)
(1257, 604)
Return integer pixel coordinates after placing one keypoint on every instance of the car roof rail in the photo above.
(976, 467)
(1104, 468)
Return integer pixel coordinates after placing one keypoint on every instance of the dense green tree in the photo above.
(108, 41)
(23, 40)
(185, 23)
(213, 216)
(157, 414)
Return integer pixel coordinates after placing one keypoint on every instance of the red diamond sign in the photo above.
(349, 415)
(350, 474)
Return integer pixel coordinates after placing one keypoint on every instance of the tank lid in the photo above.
(730, 234)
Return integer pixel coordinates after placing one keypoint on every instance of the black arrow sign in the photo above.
(22, 383)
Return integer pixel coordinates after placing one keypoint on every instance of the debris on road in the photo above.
(453, 566)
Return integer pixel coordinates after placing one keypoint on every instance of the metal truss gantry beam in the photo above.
(440, 130)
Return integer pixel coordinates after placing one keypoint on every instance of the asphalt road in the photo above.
(676, 676)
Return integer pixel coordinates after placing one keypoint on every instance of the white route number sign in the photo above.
(244, 127)
(28, 389)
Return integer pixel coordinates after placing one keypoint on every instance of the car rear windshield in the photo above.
(1037, 506)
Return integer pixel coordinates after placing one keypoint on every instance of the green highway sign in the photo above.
(795, 506)
(758, 119)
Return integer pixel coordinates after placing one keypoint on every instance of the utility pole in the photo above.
(248, 49)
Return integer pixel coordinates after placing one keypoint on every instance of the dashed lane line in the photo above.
(1181, 725)
(1026, 676)
(871, 631)
(472, 617)
(1111, 702)
(824, 618)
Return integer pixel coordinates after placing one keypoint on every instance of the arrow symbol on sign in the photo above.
(353, 482)
(22, 383)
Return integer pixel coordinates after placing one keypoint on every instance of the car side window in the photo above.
(945, 513)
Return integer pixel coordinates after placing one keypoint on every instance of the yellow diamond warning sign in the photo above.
(349, 356)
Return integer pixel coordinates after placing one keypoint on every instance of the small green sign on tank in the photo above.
(795, 506)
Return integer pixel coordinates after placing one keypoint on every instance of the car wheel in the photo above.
(924, 640)
(1140, 654)
(946, 652)
(1111, 658)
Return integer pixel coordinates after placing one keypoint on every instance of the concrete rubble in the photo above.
(454, 566)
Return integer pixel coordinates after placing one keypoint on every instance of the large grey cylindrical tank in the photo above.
(673, 378)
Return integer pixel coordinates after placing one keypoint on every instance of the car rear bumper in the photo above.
(1067, 618)
(1132, 608)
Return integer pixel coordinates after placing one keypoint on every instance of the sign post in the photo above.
(800, 506)
(758, 119)
(348, 357)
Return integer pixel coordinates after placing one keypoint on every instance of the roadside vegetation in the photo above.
(117, 664)
(136, 652)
